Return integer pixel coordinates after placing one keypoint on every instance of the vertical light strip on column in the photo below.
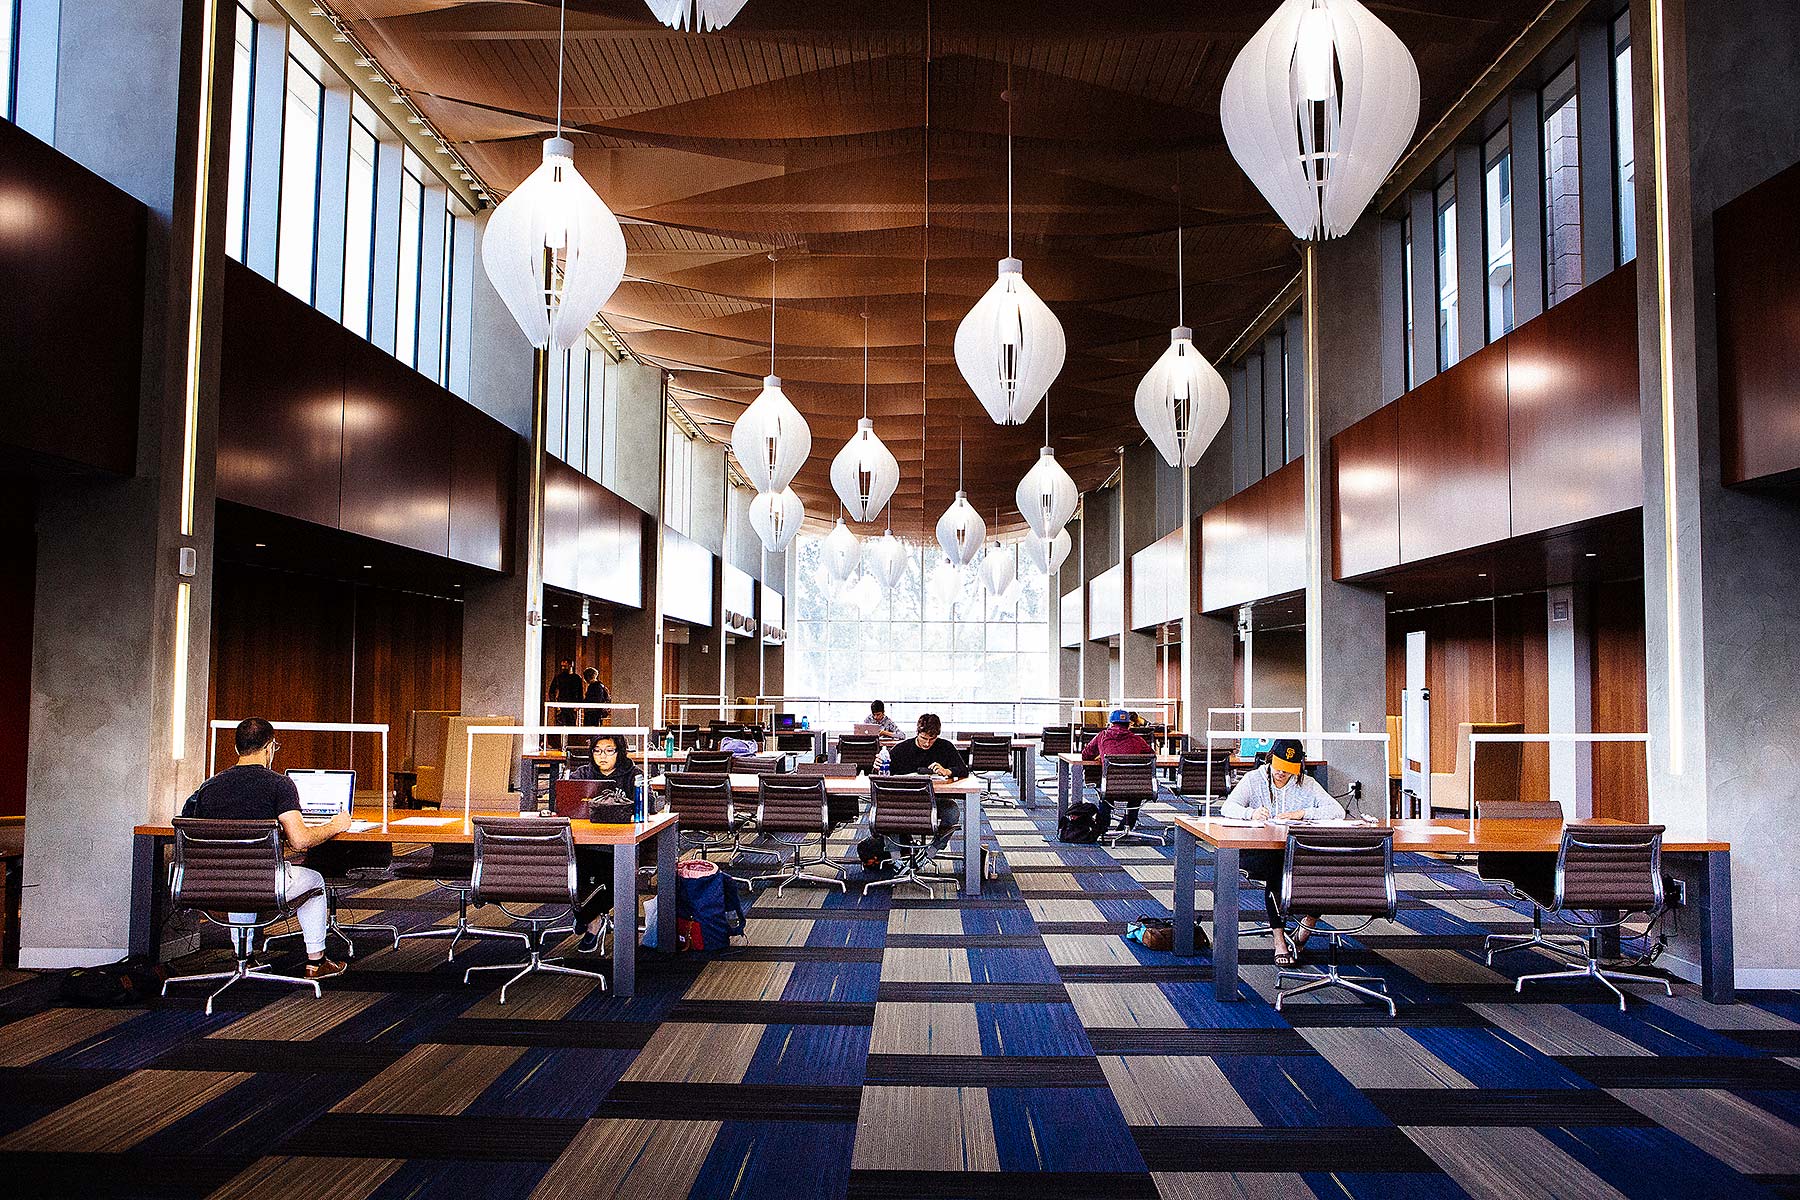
(1315, 598)
(190, 400)
(1665, 366)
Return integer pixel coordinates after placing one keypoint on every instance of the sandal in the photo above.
(1287, 958)
(1298, 940)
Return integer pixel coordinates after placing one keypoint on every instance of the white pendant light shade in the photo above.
(960, 531)
(888, 557)
(998, 569)
(1317, 109)
(1049, 553)
(1182, 401)
(1047, 496)
(865, 473)
(1010, 347)
(841, 552)
(554, 212)
(776, 517)
(701, 16)
(771, 439)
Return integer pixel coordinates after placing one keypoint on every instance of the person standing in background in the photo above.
(594, 693)
(565, 686)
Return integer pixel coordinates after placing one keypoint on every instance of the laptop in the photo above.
(1249, 748)
(864, 729)
(324, 794)
(786, 722)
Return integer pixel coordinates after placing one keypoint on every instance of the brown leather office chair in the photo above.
(905, 813)
(860, 750)
(449, 865)
(794, 810)
(990, 756)
(757, 764)
(827, 770)
(1331, 872)
(347, 867)
(1126, 782)
(709, 818)
(708, 762)
(1603, 869)
(1204, 776)
(528, 860)
(224, 870)
(1523, 875)
(1056, 739)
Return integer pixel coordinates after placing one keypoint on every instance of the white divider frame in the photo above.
(1475, 739)
(1221, 735)
(584, 705)
(682, 711)
(640, 732)
(1248, 717)
(381, 728)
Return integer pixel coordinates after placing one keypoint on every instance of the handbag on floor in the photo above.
(1158, 933)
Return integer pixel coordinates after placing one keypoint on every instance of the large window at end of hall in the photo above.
(1562, 188)
(933, 638)
(1447, 331)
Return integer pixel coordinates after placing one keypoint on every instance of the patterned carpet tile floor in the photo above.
(1006, 1045)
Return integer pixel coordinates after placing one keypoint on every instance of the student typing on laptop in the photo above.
(252, 791)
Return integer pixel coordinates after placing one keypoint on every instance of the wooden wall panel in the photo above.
(484, 457)
(1756, 243)
(1069, 609)
(563, 493)
(396, 452)
(71, 309)
(1284, 524)
(1616, 641)
(687, 580)
(1234, 550)
(1156, 587)
(612, 562)
(408, 655)
(281, 402)
(1365, 483)
(1453, 470)
(1521, 644)
(1575, 428)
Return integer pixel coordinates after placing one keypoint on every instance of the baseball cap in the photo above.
(1287, 755)
(1120, 717)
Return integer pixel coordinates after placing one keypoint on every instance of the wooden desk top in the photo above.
(857, 785)
(586, 832)
(1441, 836)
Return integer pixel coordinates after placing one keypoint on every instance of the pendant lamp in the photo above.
(998, 568)
(1047, 496)
(552, 248)
(960, 531)
(841, 552)
(888, 557)
(1049, 553)
(865, 473)
(1317, 108)
(1010, 347)
(771, 438)
(776, 517)
(701, 16)
(1182, 401)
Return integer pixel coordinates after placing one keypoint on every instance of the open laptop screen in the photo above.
(324, 793)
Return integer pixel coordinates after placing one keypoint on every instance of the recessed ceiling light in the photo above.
(262, 545)
(1592, 554)
(1481, 575)
(368, 566)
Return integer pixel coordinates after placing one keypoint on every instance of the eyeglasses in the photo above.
(273, 747)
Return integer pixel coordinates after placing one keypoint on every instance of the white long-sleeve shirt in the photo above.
(1303, 795)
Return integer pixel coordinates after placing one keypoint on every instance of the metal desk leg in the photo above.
(1062, 789)
(1225, 923)
(1717, 967)
(668, 854)
(625, 904)
(1609, 936)
(1025, 770)
(1185, 846)
(149, 902)
(972, 824)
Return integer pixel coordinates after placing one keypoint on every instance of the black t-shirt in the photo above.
(907, 759)
(243, 794)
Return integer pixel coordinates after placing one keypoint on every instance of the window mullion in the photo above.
(1593, 71)
(334, 182)
(384, 285)
(1528, 206)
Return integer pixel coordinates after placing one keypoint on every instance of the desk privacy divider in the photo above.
(213, 729)
(1476, 740)
(536, 733)
(1233, 735)
(591, 706)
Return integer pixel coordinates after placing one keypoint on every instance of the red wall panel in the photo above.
(1284, 525)
(483, 460)
(563, 493)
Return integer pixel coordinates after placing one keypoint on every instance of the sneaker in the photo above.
(325, 968)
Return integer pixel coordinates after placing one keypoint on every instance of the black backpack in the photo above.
(872, 852)
(113, 985)
(1084, 822)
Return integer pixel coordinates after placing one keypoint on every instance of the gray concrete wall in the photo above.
(1099, 548)
(494, 653)
(708, 493)
(501, 362)
(1137, 672)
(637, 467)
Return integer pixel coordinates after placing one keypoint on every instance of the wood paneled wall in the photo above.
(688, 580)
(1756, 243)
(1485, 661)
(316, 423)
(1616, 642)
(302, 648)
(1539, 430)
(593, 540)
(595, 650)
(1253, 544)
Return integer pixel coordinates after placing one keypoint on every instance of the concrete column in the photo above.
(1571, 698)
(1138, 670)
(1099, 550)
(493, 656)
(1719, 610)
(1068, 657)
(120, 639)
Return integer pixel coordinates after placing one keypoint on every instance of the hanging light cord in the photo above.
(771, 312)
(1180, 267)
(562, 26)
(1009, 155)
(865, 318)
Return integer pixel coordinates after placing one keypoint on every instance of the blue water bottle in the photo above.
(806, 722)
(637, 812)
(669, 743)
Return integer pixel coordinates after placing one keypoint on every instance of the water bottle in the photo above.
(669, 743)
(637, 812)
(806, 722)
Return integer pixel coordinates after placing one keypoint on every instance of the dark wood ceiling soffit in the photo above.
(800, 129)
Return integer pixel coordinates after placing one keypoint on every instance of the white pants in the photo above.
(312, 914)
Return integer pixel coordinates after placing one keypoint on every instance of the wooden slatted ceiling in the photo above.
(800, 130)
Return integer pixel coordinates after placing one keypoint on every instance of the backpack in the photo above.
(1084, 822)
(710, 908)
(872, 853)
(113, 985)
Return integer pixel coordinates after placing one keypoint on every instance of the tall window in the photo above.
(447, 298)
(9, 59)
(1625, 193)
(1446, 274)
(299, 168)
(1497, 239)
(934, 637)
(1406, 295)
(1287, 449)
(359, 218)
(411, 257)
(1562, 188)
(243, 78)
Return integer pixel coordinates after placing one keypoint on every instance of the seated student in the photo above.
(1117, 738)
(878, 716)
(1280, 789)
(253, 791)
(929, 754)
(594, 864)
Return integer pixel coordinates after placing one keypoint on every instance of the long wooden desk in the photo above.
(1709, 895)
(150, 894)
(966, 790)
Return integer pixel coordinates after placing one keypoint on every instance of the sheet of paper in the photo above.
(426, 821)
(361, 826)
